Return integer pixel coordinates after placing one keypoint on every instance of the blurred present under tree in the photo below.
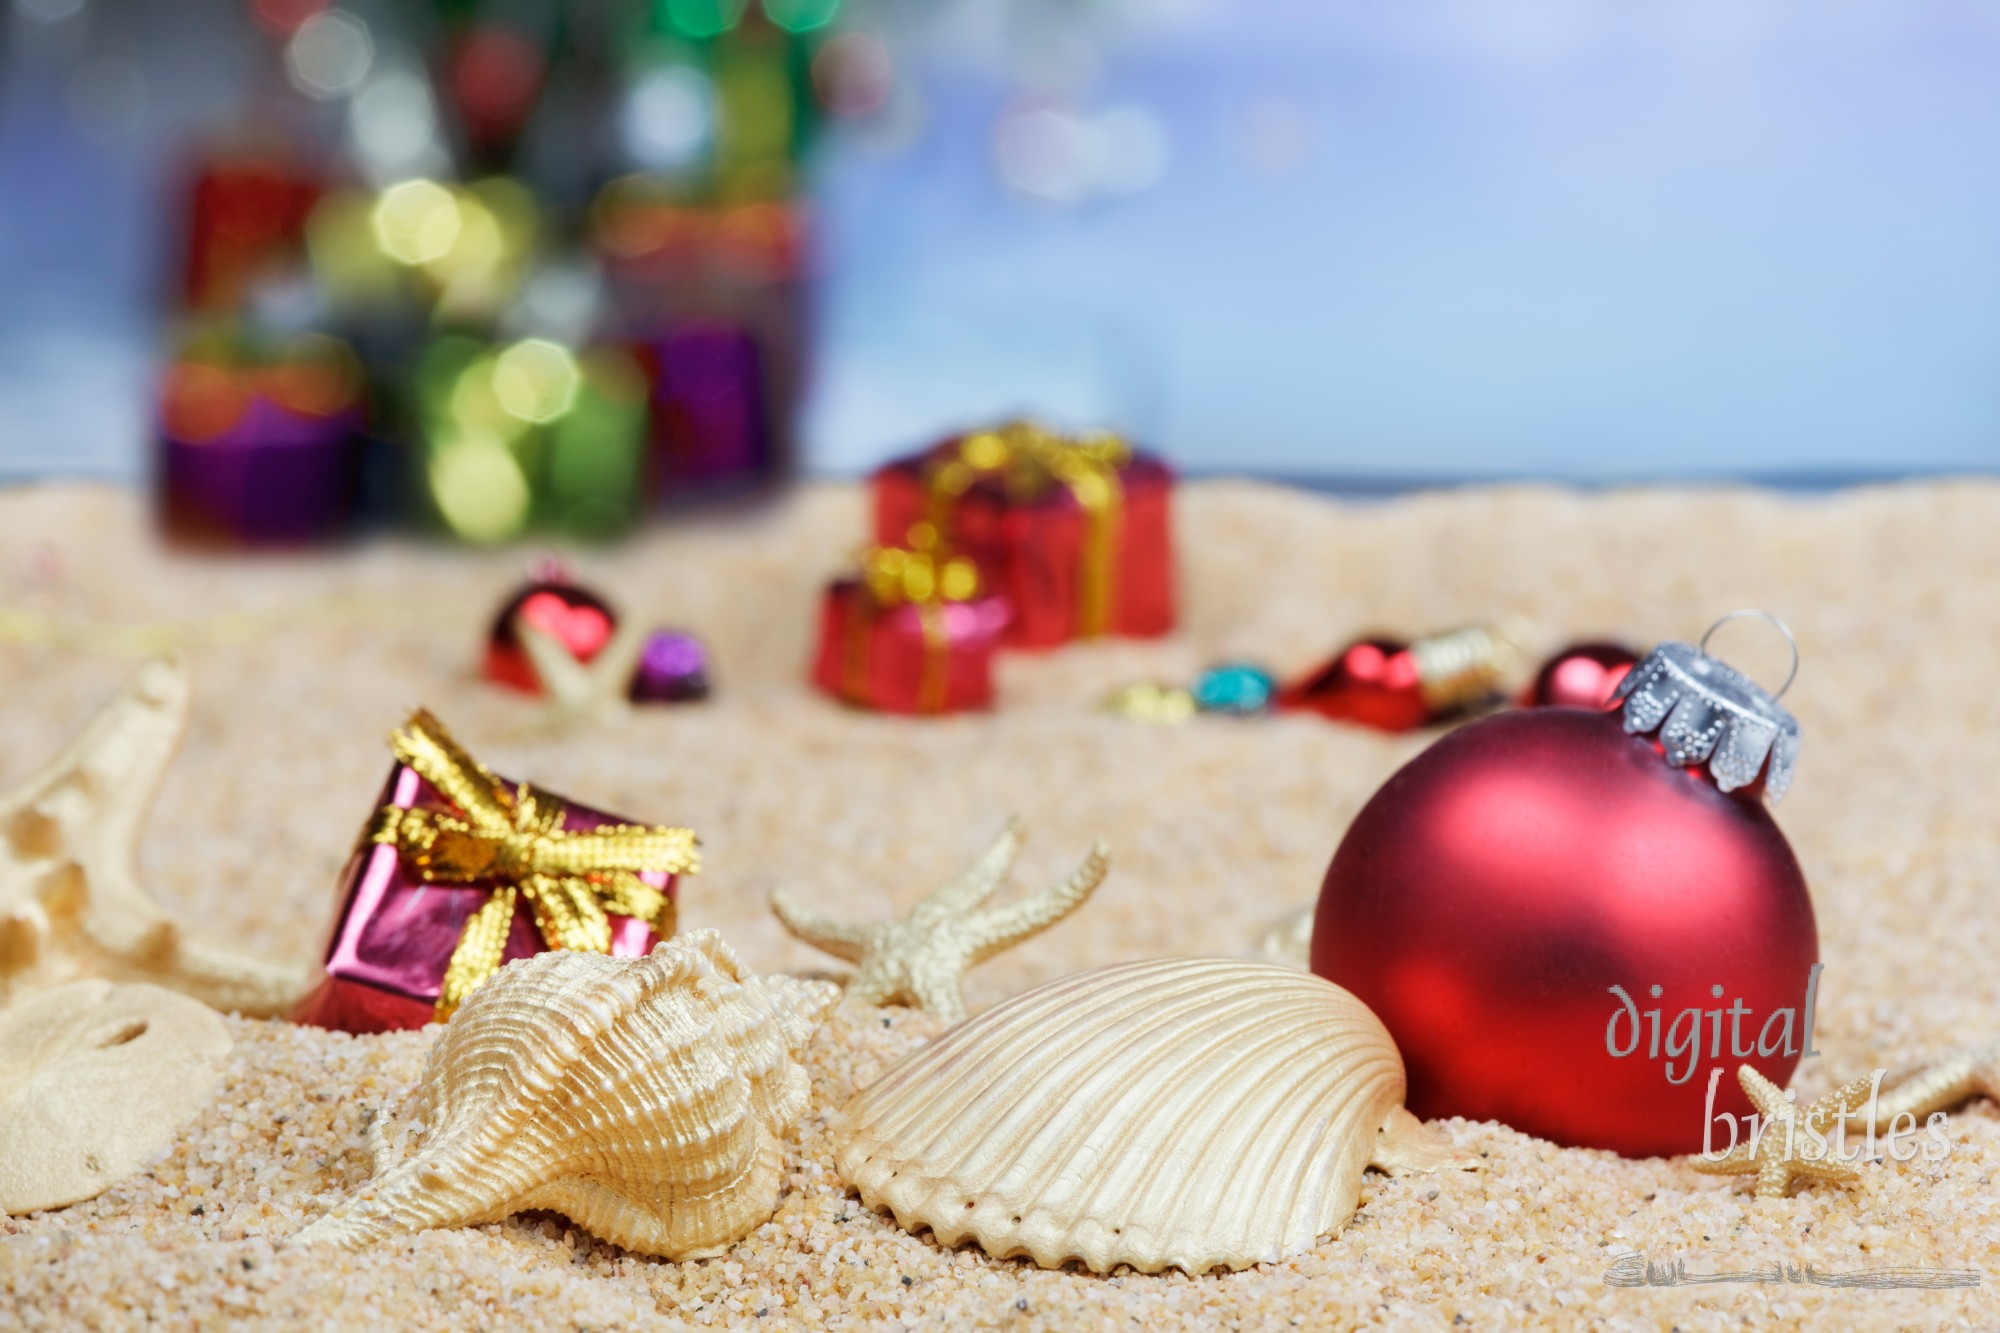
(562, 242)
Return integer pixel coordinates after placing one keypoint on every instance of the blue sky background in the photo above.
(1427, 239)
(1551, 237)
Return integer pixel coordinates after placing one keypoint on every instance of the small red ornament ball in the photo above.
(1583, 675)
(1372, 681)
(1489, 896)
(574, 616)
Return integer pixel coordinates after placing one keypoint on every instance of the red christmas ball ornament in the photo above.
(1396, 686)
(574, 616)
(1583, 675)
(1580, 928)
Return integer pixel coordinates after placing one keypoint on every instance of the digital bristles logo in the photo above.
(1683, 1036)
(1785, 1143)
(1818, 1134)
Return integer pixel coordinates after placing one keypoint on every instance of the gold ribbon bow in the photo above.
(513, 837)
(921, 575)
(1029, 458)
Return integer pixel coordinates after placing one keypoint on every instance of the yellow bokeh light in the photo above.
(479, 488)
(984, 451)
(476, 245)
(416, 222)
(476, 407)
(535, 380)
(959, 581)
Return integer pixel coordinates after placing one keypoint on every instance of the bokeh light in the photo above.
(853, 73)
(1044, 152)
(801, 15)
(494, 80)
(201, 402)
(535, 380)
(330, 54)
(1130, 151)
(701, 19)
(561, 299)
(595, 450)
(393, 124)
(284, 16)
(478, 487)
(1064, 157)
(468, 265)
(668, 118)
(416, 221)
(473, 405)
(317, 376)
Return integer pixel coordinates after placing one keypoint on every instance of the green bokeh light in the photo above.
(801, 15)
(700, 19)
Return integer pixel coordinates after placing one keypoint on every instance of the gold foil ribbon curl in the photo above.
(1029, 458)
(920, 575)
(513, 836)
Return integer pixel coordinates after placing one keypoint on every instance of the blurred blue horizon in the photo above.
(1337, 243)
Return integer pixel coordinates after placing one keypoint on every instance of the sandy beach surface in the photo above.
(1217, 828)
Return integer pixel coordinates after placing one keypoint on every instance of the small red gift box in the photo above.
(912, 635)
(247, 214)
(1075, 532)
(431, 903)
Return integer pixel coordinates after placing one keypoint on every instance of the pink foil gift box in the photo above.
(409, 898)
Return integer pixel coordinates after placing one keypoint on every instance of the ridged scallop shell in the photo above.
(643, 1098)
(1193, 1113)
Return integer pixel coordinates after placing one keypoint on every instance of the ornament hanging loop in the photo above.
(1791, 641)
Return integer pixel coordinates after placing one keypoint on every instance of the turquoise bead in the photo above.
(1236, 688)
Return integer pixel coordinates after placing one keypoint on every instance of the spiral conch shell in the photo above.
(1192, 1113)
(643, 1098)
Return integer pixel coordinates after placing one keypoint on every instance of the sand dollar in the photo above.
(94, 1080)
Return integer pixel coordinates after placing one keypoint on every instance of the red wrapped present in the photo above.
(1075, 532)
(432, 901)
(912, 634)
(246, 223)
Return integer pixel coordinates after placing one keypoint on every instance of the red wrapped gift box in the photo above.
(247, 214)
(1075, 532)
(410, 914)
(914, 635)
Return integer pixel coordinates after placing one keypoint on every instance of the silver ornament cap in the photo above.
(1706, 711)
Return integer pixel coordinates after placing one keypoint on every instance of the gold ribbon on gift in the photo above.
(922, 575)
(1029, 458)
(514, 838)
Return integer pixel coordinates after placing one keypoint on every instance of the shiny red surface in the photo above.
(1372, 682)
(574, 616)
(246, 216)
(1583, 675)
(1031, 551)
(394, 934)
(1495, 888)
(890, 676)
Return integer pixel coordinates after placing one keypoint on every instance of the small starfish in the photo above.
(922, 956)
(583, 694)
(1941, 1084)
(1776, 1157)
(70, 902)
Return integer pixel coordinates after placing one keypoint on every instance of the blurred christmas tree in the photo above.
(540, 266)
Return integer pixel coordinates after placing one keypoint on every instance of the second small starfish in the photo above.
(921, 957)
(1781, 1156)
